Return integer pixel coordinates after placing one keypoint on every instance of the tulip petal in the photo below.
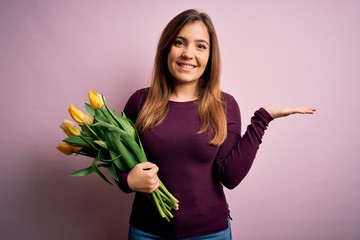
(96, 100)
(76, 114)
(67, 148)
(64, 148)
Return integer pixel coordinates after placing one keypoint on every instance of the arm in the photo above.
(236, 155)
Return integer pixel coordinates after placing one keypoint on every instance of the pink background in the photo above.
(305, 181)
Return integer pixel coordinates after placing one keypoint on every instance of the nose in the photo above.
(188, 52)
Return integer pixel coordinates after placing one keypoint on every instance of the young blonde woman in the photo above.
(190, 130)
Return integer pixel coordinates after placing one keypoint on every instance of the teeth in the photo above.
(186, 66)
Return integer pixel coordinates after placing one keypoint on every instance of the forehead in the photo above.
(196, 30)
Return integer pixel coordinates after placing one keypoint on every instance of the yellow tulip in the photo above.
(79, 116)
(96, 100)
(89, 119)
(76, 114)
(69, 128)
(67, 149)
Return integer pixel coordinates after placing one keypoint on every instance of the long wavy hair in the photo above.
(209, 104)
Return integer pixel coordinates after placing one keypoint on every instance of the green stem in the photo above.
(106, 116)
(168, 213)
(162, 214)
(111, 113)
(92, 131)
(170, 204)
(107, 160)
(164, 209)
(83, 154)
(92, 145)
(164, 189)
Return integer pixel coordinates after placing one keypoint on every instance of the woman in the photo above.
(191, 134)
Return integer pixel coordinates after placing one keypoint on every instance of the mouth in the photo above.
(187, 66)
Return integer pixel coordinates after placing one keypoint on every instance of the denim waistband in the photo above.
(137, 234)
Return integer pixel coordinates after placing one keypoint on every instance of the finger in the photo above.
(147, 165)
(301, 110)
(308, 110)
(152, 171)
(311, 110)
(156, 184)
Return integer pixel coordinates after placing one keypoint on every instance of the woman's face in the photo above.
(189, 54)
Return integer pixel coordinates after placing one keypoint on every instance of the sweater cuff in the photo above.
(123, 183)
(265, 115)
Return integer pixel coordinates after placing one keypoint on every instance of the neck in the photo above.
(184, 93)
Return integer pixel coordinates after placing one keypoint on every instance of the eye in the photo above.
(202, 46)
(179, 43)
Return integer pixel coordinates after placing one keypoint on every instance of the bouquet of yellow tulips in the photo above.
(113, 142)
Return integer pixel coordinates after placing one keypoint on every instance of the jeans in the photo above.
(136, 234)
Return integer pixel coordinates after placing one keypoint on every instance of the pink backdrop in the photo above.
(305, 181)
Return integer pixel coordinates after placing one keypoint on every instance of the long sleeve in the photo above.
(236, 155)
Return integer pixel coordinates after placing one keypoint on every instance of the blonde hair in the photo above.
(209, 105)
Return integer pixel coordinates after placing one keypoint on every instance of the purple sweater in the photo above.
(193, 170)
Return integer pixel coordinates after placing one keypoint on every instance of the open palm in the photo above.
(283, 111)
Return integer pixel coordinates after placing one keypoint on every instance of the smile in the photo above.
(186, 66)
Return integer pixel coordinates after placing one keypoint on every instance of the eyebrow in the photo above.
(196, 40)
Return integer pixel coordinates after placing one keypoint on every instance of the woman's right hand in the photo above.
(143, 177)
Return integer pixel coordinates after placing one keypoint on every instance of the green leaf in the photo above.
(113, 114)
(127, 126)
(91, 131)
(85, 131)
(86, 134)
(88, 151)
(118, 160)
(99, 173)
(104, 156)
(79, 141)
(99, 131)
(99, 116)
(133, 147)
(83, 172)
(101, 143)
(89, 109)
(84, 128)
(119, 164)
(114, 142)
(112, 172)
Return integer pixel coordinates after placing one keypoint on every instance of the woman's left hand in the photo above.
(283, 111)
